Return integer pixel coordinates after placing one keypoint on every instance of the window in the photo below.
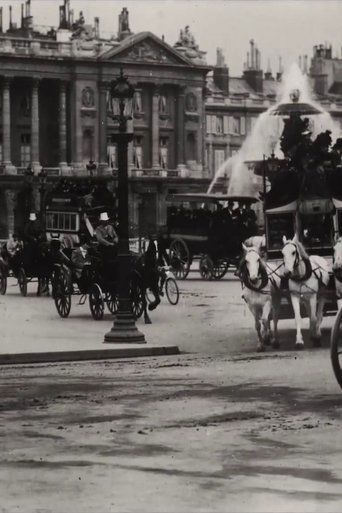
(137, 153)
(219, 125)
(163, 152)
(62, 221)
(112, 154)
(25, 150)
(219, 157)
(137, 102)
(208, 124)
(235, 126)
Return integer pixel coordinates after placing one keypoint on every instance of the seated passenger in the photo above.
(81, 260)
(106, 237)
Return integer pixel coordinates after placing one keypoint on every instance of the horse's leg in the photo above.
(265, 322)
(313, 320)
(296, 309)
(275, 312)
(320, 308)
(147, 319)
(257, 316)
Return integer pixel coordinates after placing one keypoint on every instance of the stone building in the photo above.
(56, 113)
(234, 103)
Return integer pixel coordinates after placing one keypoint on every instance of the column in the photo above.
(10, 196)
(155, 129)
(62, 127)
(36, 167)
(6, 126)
(180, 127)
(103, 164)
(200, 129)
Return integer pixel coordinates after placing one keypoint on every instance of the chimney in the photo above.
(268, 74)
(280, 72)
(253, 74)
(221, 72)
(300, 63)
(1, 25)
(305, 64)
(28, 8)
(71, 17)
(22, 15)
(252, 53)
(10, 18)
(97, 27)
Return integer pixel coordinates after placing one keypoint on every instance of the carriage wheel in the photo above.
(180, 258)
(62, 296)
(112, 302)
(336, 347)
(3, 281)
(96, 302)
(172, 291)
(22, 282)
(220, 268)
(206, 267)
(137, 300)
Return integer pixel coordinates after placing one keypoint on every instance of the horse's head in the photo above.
(337, 257)
(293, 252)
(252, 262)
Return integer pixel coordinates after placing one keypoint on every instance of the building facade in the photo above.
(188, 117)
(56, 112)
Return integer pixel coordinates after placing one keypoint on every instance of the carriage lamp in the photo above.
(124, 329)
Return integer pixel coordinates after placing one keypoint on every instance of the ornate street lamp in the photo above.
(124, 329)
(42, 177)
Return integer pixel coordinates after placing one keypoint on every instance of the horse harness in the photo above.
(265, 277)
(308, 270)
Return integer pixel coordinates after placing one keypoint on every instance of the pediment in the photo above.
(146, 47)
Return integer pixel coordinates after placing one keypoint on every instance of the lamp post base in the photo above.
(124, 331)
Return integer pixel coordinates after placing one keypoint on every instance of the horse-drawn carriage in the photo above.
(303, 222)
(204, 231)
(72, 213)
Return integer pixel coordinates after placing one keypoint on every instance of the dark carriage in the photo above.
(99, 284)
(27, 270)
(203, 232)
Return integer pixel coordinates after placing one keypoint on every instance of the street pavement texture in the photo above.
(217, 428)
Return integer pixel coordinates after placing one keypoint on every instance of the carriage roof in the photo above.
(201, 197)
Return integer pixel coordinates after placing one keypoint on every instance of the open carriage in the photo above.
(72, 211)
(199, 227)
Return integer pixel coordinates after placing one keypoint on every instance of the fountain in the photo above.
(264, 139)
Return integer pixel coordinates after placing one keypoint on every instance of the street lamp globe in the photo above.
(121, 94)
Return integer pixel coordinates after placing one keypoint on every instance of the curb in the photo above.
(92, 354)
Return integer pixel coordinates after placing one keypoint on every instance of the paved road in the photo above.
(220, 428)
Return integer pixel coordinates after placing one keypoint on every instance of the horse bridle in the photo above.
(307, 263)
(262, 274)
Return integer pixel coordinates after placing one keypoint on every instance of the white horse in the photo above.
(261, 291)
(308, 278)
(337, 270)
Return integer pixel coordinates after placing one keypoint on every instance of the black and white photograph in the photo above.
(170, 256)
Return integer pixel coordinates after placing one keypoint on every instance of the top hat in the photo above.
(33, 216)
(104, 216)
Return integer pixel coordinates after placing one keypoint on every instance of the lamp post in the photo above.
(42, 182)
(124, 329)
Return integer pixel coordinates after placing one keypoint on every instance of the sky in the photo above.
(286, 28)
